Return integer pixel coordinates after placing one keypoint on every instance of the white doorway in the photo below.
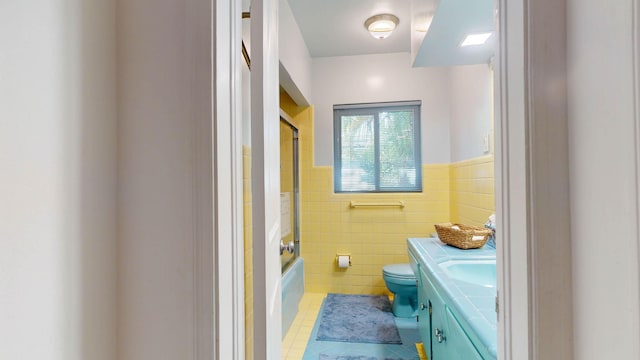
(525, 330)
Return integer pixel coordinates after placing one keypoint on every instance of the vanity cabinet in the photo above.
(456, 316)
(443, 336)
(424, 321)
(460, 346)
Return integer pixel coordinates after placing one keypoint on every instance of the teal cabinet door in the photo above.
(443, 336)
(424, 321)
(438, 329)
(460, 346)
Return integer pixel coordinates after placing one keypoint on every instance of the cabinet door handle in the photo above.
(439, 335)
(423, 306)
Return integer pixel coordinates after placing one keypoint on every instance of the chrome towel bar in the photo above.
(355, 204)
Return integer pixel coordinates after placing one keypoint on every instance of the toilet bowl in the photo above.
(401, 281)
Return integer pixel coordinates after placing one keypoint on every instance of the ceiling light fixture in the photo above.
(476, 39)
(382, 25)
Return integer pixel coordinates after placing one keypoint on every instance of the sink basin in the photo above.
(478, 272)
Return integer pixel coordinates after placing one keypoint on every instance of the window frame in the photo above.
(375, 109)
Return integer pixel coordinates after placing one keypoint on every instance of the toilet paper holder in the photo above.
(338, 256)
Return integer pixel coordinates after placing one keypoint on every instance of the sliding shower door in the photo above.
(289, 194)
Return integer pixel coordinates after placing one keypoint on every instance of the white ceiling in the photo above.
(453, 21)
(336, 27)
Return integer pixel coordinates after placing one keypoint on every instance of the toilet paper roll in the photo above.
(343, 261)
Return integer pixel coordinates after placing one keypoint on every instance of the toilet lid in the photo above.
(400, 271)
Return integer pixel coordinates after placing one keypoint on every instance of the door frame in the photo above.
(265, 180)
(219, 331)
(531, 126)
(532, 181)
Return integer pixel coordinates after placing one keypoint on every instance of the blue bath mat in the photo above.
(351, 357)
(358, 318)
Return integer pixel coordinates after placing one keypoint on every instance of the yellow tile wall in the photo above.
(373, 237)
(472, 190)
(460, 192)
(248, 252)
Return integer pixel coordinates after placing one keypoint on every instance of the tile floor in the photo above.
(296, 344)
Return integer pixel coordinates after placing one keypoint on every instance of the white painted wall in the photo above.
(164, 91)
(377, 78)
(470, 110)
(295, 61)
(603, 148)
(57, 176)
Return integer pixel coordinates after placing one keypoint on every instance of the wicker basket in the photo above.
(467, 237)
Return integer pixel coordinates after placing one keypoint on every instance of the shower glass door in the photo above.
(289, 193)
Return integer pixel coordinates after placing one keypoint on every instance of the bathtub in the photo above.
(292, 291)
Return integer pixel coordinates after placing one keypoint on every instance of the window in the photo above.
(377, 147)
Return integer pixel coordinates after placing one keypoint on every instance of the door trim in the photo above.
(532, 182)
(636, 89)
(219, 266)
(265, 180)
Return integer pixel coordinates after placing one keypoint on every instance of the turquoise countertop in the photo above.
(473, 304)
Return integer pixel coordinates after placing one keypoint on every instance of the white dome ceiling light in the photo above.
(382, 25)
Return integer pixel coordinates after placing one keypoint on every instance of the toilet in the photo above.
(401, 281)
